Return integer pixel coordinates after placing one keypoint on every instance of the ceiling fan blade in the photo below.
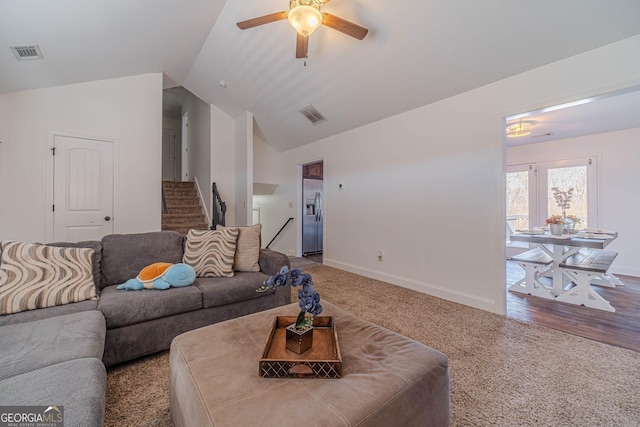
(346, 27)
(250, 23)
(302, 46)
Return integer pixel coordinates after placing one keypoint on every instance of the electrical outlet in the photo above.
(291, 205)
(380, 255)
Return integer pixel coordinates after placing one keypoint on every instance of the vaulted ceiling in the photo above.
(416, 52)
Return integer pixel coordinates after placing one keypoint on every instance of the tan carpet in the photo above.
(503, 372)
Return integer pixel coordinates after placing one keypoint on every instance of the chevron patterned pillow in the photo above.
(38, 276)
(211, 252)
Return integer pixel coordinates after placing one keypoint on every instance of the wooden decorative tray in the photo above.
(322, 360)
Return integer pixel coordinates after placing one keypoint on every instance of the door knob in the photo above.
(107, 218)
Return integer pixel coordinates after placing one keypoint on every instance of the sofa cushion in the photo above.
(124, 255)
(33, 345)
(46, 313)
(96, 259)
(38, 276)
(218, 291)
(247, 248)
(211, 252)
(121, 307)
(78, 385)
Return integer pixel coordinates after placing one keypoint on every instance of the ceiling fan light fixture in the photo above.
(304, 18)
(519, 128)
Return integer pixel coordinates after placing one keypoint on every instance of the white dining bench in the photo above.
(535, 263)
(582, 268)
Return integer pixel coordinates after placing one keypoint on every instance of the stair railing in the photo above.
(218, 208)
(278, 233)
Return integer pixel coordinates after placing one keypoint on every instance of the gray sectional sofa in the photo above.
(57, 355)
(56, 361)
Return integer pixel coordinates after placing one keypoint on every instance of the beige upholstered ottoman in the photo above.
(387, 379)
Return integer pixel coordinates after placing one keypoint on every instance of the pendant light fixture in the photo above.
(519, 128)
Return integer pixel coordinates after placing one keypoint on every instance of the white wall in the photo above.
(273, 217)
(427, 186)
(267, 166)
(223, 159)
(619, 182)
(266, 162)
(244, 169)
(128, 110)
(199, 147)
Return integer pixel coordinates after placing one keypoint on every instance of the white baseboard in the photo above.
(626, 271)
(206, 210)
(426, 288)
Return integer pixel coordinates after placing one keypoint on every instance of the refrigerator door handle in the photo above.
(316, 203)
(319, 207)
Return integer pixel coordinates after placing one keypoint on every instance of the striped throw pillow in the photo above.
(211, 252)
(38, 276)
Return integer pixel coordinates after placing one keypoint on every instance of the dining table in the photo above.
(561, 247)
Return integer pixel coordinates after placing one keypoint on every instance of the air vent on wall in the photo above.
(27, 52)
(312, 113)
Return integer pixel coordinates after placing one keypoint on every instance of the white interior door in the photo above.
(83, 189)
(168, 155)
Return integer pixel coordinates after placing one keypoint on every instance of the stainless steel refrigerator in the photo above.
(312, 216)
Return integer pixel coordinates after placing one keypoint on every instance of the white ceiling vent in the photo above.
(27, 52)
(312, 113)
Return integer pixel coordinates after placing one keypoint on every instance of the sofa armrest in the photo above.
(271, 261)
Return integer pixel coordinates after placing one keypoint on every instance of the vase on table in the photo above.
(556, 229)
(568, 222)
(299, 340)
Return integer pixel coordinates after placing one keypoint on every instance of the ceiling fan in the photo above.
(305, 16)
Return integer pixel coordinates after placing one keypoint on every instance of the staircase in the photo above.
(184, 211)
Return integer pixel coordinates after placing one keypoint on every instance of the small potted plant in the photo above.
(575, 220)
(300, 334)
(556, 224)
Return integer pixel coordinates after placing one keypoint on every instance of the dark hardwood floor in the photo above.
(621, 328)
(314, 257)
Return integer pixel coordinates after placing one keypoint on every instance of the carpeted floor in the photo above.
(503, 372)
